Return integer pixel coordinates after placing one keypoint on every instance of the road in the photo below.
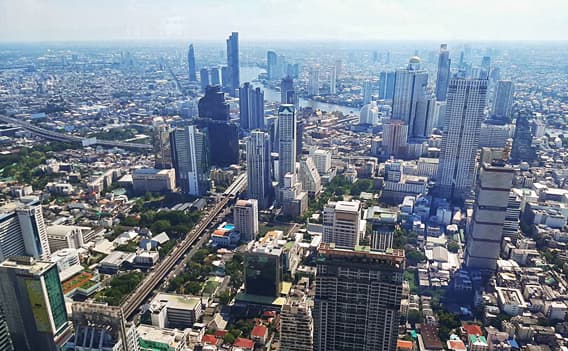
(159, 273)
(51, 135)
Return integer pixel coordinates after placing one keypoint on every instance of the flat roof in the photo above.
(178, 301)
(27, 264)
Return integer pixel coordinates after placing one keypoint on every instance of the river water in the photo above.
(250, 73)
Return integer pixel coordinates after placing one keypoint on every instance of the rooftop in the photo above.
(178, 301)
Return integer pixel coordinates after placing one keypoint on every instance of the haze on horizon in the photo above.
(447, 20)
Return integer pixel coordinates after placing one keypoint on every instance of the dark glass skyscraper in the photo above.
(523, 150)
(204, 76)
(213, 104)
(443, 76)
(191, 64)
(251, 106)
(233, 63)
(215, 76)
(287, 93)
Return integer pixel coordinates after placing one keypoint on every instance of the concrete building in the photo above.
(251, 107)
(342, 223)
(66, 236)
(503, 101)
(190, 153)
(464, 112)
(259, 175)
(287, 138)
(395, 139)
(356, 306)
(34, 231)
(313, 81)
(443, 75)
(161, 144)
(100, 327)
(309, 176)
(322, 160)
(175, 311)
(263, 271)
(5, 340)
(486, 229)
(245, 219)
(153, 180)
(152, 338)
(296, 325)
(291, 196)
(33, 304)
(234, 81)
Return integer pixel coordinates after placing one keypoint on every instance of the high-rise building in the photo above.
(259, 170)
(263, 271)
(486, 230)
(395, 139)
(322, 160)
(287, 94)
(342, 223)
(485, 68)
(523, 149)
(251, 107)
(245, 219)
(369, 114)
(313, 81)
(309, 176)
(204, 78)
(464, 114)
(412, 101)
(357, 302)
(225, 78)
(190, 155)
(100, 327)
(161, 144)
(297, 325)
(386, 85)
(191, 64)
(215, 76)
(213, 104)
(339, 67)
(272, 66)
(440, 114)
(333, 81)
(367, 92)
(33, 304)
(443, 75)
(503, 102)
(34, 231)
(300, 124)
(233, 63)
(287, 141)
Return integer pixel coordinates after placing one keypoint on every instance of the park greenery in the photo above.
(175, 223)
(119, 287)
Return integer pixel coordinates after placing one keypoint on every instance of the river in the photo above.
(250, 73)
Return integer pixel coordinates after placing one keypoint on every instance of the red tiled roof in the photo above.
(260, 331)
(404, 345)
(269, 314)
(456, 345)
(221, 333)
(209, 339)
(244, 343)
(472, 329)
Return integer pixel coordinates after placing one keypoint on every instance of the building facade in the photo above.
(190, 154)
(245, 219)
(287, 141)
(342, 223)
(259, 173)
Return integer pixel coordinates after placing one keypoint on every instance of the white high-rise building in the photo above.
(369, 114)
(342, 223)
(333, 81)
(287, 140)
(464, 114)
(313, 81)
(486, 229)
(190, 154)
(413, 102)
(309, 176)
(259, 169)
(503, 102)
(245, 219)
(34, 231)
(322, 160)
(439, 114)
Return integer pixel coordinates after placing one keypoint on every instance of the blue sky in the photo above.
(445, 20)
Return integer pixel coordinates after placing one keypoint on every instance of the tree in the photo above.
(229, 338)
(193, 288)
(414, 257)
(225, 297)
(453, 246)
(414, 316)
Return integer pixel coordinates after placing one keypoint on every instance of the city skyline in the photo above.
(363, 20)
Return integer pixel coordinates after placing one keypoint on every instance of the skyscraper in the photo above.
(259, 169)
(204, 77)
(522, 149)
(464, 114)
(213, 104)
(503, 102)
(443, 75)
(333, 81)
(486, 231)
(287, 92)
(313, 81)
(485, 68)
(215, 76)
(263, 271)
(251, 107)
(412, 100)
(342, 223)
(33, 304)
(225, 78)
(395, 139)
(367, 92)
(161, 144)
(190, 157)
(101, 327)
(287, 140)
(309, 176)
(233, 63)
(357, 302)
(297, 325)
(386, 85)
(34, 231)
(191, 64)
(272, 65)
(245, 219)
